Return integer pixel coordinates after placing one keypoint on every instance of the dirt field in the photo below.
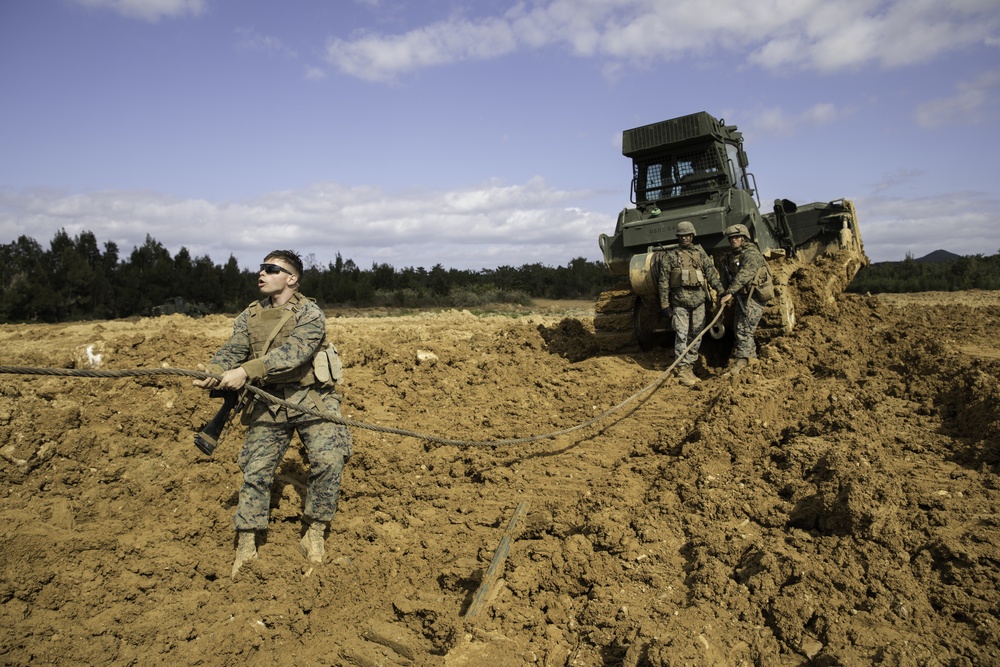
(837, 504)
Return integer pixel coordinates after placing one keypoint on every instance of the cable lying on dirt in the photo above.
(199, 375)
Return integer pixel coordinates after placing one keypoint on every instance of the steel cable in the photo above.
(321, 414)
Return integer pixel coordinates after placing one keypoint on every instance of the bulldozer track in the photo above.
(613, 323)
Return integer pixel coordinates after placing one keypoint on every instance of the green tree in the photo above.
(21, 260)
(205, 285)
(147, 280)
(440, 282)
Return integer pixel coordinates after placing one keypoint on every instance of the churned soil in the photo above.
(834, 504)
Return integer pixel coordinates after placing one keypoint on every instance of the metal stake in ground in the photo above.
(485, 592)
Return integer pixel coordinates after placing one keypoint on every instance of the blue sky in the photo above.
(481, 134)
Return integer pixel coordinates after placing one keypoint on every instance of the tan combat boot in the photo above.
(246, 550)
(738, 365)
(687, 377)
(312, 543)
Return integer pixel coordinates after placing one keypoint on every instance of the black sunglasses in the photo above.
(273, 269)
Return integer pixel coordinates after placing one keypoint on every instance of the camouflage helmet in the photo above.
(685, 227)
(737, 230)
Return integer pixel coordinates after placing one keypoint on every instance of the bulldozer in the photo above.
(694, 168)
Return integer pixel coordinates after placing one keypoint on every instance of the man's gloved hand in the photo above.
(209, 383)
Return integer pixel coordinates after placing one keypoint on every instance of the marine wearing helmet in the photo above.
(737, 230)
(684, 228)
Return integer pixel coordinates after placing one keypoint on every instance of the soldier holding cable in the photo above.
(276, 344)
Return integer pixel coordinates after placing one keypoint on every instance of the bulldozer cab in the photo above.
(669, 178)
(690, 155)
(692, 168)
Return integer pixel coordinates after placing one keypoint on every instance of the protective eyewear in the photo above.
(273, 269)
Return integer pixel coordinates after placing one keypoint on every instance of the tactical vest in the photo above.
(270, 328)
(689, 273)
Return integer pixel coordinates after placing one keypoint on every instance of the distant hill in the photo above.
(939, 271)
(938, 256)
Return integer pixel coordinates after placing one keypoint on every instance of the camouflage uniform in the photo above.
(743, 264)
(686, 300)
(284, 370)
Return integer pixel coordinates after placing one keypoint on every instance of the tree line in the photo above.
(910, 275)
(77, 278)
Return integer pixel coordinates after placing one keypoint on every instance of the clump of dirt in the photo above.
(834, 504)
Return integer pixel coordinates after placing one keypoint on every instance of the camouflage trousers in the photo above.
(328, 445)
(747, 318)
(687, 323)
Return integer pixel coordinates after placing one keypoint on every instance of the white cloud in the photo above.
(964, 223)
(473, 228)
(315, 73)
(775, 34)
(901, 176)
(477, 227)
(974, 102)
(776, 122)
(250, 39)
(148, 10)
(376, 57)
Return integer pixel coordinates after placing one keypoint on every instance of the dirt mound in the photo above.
(836, 504)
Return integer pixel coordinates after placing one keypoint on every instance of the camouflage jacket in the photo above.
(305, 338)
(743, 264)
(693, 257)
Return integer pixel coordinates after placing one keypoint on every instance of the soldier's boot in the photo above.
(312, 543)
(687, 377)
(246, 550)
(737, 366)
